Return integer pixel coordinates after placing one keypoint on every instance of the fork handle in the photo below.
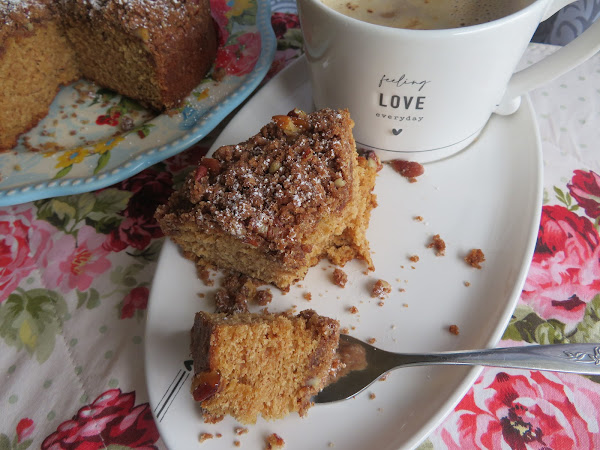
(574, 358)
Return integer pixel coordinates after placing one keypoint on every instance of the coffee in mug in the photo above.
(426, 14)
(425, 94)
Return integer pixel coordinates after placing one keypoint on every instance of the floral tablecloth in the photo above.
(75, 273)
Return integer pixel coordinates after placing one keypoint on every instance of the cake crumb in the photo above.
(438, 244)
(274, 442)
(467, 284)
(381, 289)
(372, 396)
(454, 330)
(475, 258)
(307, 296)
(339, 277)
(237, 443)
(331, 444)
(419, 218)
(414, 258)
(204, 276)
(264, 297)
(383, 377)
(371, 340)
(240, 430)
(402, 290)
(408, 169)
(204, 437)
(405, 305)
(344, 331)
(381, 303)
(353, 310)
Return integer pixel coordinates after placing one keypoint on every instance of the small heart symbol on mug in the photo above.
(396, 132)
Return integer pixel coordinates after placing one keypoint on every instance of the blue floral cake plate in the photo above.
(92, 138)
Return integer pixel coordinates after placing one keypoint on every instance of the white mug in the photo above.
(424, 95)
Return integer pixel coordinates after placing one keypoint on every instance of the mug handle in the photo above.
(564, 59)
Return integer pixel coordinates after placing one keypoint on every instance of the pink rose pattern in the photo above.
(111, 419)
(239, 57)
(150, 188)
(23, 243)
(524, 410)
(504, 409)
(565, 271)
(25, 428)
(74, 262)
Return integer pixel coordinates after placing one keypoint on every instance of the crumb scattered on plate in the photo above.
(264, 297)
(381, 289)
(454, 330)
(408, 169)
(204, 437)
(339, 277)
(274, 442)
(475, 258)
(438, 244)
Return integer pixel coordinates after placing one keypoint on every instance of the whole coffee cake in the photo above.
(154, 52)
(273, 206)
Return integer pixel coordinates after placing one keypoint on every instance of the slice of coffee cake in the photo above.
(273, 206)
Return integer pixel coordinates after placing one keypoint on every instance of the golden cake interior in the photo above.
(270, 365)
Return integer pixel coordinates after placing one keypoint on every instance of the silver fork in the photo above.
(574, 358)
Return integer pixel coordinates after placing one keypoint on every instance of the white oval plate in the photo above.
(76, 150)
(488, 196)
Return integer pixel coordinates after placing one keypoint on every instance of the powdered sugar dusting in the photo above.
(275, 187)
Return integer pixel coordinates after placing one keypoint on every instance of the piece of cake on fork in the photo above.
(273, 206)
(251, 364)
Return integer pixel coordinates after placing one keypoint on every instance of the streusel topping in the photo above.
(273, 188)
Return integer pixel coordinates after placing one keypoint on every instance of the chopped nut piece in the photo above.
(274, 166)
(475, 258)
(291, 125)
(438, 244)
(275, 442)
(339, 182)
(340, 278)
(381, 289)
(454, 329)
